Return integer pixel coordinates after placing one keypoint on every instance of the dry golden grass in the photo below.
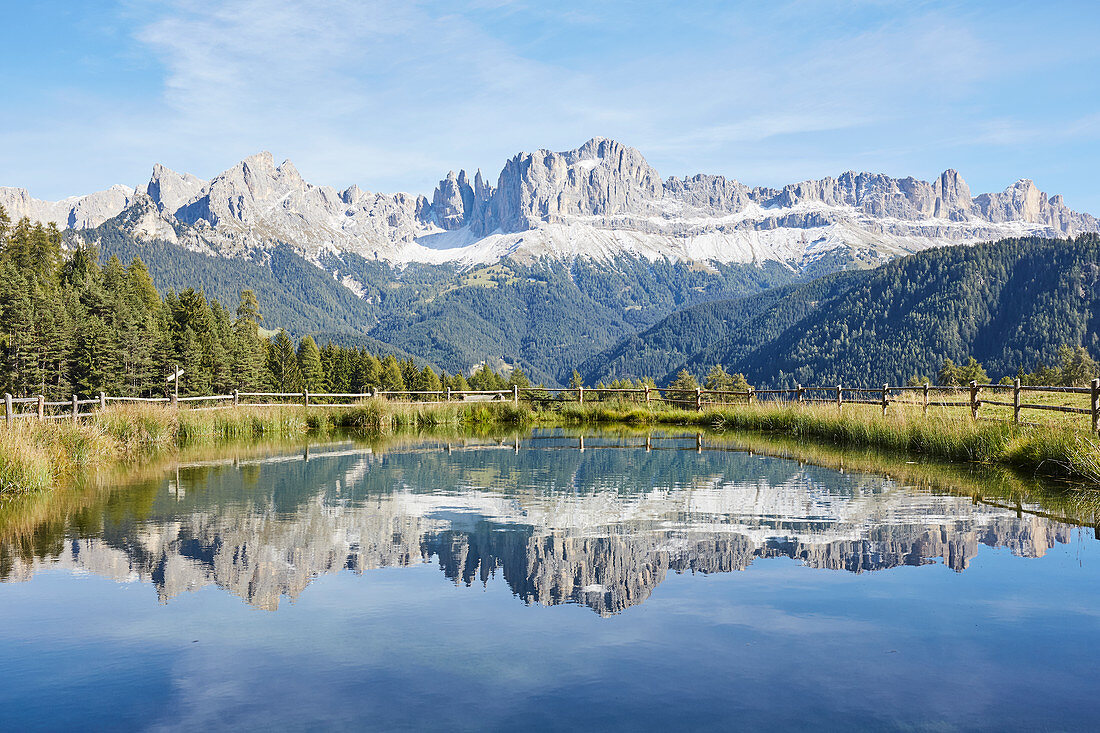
(943, 433)
(35, 456)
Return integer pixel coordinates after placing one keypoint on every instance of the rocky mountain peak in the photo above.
(601, 178)
(75, 212)
(351, 194)
(453, 201)
(601, 200)
(242, 194)
(170, 190)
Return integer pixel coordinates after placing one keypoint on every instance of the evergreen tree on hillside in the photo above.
(368, 372)
(575, 380)
(429, 380)
(948, 375)
(390, 378)
(309, 365)
(1078, 368)
(248, 352)
(684, 380)
(518, 378)
(973, 372)
(718, 378)
(91, 358)
(282, 364)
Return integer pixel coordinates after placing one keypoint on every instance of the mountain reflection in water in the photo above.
(598, 527)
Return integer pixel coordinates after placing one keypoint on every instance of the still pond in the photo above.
(548, 581)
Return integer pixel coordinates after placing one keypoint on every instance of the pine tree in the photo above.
(948, 375)
(309, 365)
(90, 357)
(1078, 368)
(684, 380)
(719, 378)
(141, 285)
(390, 377)
(518, 378)
(248, 352)
(429, 381)
(283, 364)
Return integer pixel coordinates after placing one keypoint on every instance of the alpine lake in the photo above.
(554, 579)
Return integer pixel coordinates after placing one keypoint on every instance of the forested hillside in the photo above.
(1010, 304)
(550, 316)
(68, 325)
(723, 331)
(293, 293)
(545, 317)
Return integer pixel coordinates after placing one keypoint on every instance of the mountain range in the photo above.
(600, 200)
(567, 254)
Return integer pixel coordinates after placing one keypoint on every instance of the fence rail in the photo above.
(930, 396)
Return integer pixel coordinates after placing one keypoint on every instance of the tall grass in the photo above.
(35, 456)
(1048, 449)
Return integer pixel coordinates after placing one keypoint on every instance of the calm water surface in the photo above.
(531, 584)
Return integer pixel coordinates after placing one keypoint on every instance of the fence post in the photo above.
(885, 399)
(580, 395)
(515, 394)
(647, 394)
(973, 399)
(305, 397)
(698, 399)
(1096, 405)
(448, 394)
(839, 399)
(102, 401)
(7, 408)
(41, 407)
(76, 408)
(236, 398)
(1016, 402)
(799, 391)
(752, 395)
(926, 399)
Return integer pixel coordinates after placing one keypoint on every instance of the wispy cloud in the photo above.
(391, 94)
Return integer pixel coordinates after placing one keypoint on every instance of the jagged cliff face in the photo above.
(598, 546)
(77, 212)
(600, 201)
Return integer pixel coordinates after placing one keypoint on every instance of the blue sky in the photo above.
(391, 95)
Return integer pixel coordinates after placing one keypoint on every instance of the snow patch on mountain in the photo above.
(599, 201)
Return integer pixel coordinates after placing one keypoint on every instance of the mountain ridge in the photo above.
(1010, 304)
(600, 200)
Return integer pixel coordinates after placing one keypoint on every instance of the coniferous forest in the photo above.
(73, 322)
(69, 325)
(1017, 306)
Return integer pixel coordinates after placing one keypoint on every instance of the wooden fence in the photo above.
(973, 396)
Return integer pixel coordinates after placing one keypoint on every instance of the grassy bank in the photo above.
(35, 456)
(1051, 450)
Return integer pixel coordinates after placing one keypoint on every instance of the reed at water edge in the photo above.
(35, 455)
(1048, 449)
